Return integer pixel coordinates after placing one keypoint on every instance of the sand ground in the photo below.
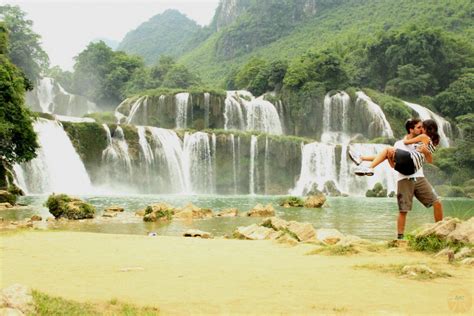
(185, 276)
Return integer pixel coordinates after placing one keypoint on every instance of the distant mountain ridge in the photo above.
(167, 33)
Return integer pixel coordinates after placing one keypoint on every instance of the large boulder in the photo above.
(17, 297)
(291, 201)
(7, 197)
(315, 201)
(158, 212)
(329, 236)
(255, 232)
(440, 229)
(464, 232)
(331, 189)
(191, 211)
(261, 211)
(377, 191)
(228, 212)
(299, 231)
(64, 206)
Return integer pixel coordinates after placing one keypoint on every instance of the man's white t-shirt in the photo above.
(400, 145)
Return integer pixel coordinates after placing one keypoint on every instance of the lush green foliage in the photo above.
(62, 205)
(101, 74)
(293, 201)
(17, 137)
(25, 49)
(458, 99)
(168, 33)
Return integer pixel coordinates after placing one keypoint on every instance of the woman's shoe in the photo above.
(355, 157)
(364, 171)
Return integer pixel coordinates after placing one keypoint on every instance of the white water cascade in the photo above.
(57, 167)
(336, 118)
(116, 161)
(198, 162)
(444, 127)
(207, 103)
(234, 162)
(377, 123)
(45, 94)
(317, 167)
(142, 101)
(253, 159)
(181, 110)
(245, 112)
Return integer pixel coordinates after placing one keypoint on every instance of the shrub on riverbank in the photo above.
(62, 205)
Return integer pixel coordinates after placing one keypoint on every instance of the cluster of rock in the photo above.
(452, 231)
(292, 232)
(7, 200)
(378, 191)
(166, 212)
(312, 201)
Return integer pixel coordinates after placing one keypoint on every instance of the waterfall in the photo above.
(263, 116)
(168, 150)
(317, 167)
(207, 102)
(279, 107)
(336, 118)
(45, 94)
(135, 107)
(373, 115)
(444, 127)
(234, 162)
(57, 167)
(253, 158)
(146, 150)
(181, 110)
(198, 162)
(233, 115)
(267, 158)
(116, 161)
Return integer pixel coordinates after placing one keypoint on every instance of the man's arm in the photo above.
(424, 150)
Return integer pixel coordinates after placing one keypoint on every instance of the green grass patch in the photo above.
(433, 244)
(51, 306)
(334, 250)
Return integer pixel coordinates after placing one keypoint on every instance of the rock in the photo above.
(440, 229)
(7, 197)
(287, 239)
(19, 297)
(329, 235)
(302, 231)
(261, 211)
(350, 240)
(228, 212)
(315, 201)
(468, 261)
(140, 212)
(417, 269)
(463, 253)
(291, 201)
(464, 232)
(330, 189)
(197, 233)
(109, 214)
(36, 218)
(5, 205)
(191, 211)
(276, 223)
(255, 232)
(158, 212)
(64, 206)
(114, 208)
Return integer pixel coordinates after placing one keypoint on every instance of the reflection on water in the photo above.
(371, 218)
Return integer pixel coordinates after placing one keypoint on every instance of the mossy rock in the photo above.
(291, 201)
(7, 197)
(377, 191)
(62, 205)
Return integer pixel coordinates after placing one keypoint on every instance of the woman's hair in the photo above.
(431, 129)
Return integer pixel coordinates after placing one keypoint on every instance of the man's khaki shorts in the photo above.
(418, 187)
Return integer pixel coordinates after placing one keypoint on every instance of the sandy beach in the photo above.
(184, 276)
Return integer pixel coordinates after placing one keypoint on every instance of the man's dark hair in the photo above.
(410, 124)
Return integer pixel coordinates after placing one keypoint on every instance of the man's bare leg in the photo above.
(402, 218)
(438, 211)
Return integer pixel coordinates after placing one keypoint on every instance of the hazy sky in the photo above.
(67, 26)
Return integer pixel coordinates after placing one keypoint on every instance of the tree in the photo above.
(410, 81)
(458, 99)
(17, 138)
(180, 77)
(25, 49)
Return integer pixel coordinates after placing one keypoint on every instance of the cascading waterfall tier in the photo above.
(444, 127)
(57, 167)
(245, 112)
(372, 117)
(319, 167)
(198, 163)
(336, 118)
(182, 100)
(50, 97)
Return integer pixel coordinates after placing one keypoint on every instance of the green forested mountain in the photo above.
(168, 33)
(286, 29)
